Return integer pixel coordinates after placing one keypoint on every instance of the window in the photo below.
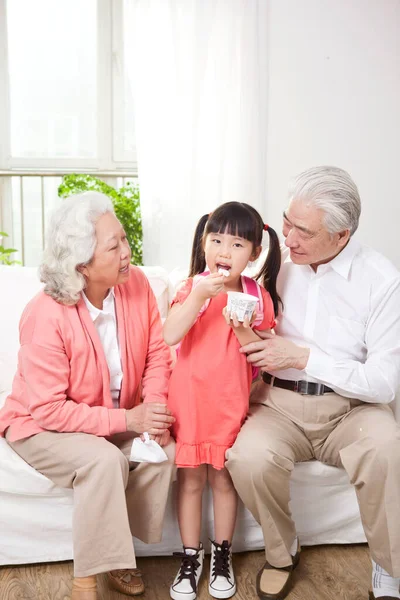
(65, 101)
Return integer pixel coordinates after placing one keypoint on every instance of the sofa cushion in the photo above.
(19, 285)
(160, 284)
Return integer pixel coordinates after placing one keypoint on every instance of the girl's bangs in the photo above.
(234, 222)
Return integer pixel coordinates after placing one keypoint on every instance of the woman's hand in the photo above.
(153, 417)
(209, 286)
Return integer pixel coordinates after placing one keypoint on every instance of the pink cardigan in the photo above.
(62, 381)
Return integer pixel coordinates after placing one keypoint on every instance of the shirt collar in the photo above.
(341, 263)
(108, 305)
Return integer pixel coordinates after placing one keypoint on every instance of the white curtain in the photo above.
(199, 72)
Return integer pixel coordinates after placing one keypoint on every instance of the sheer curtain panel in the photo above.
(198, 72)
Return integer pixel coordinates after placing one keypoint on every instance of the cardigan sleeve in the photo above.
(157, 369)
(46, 372)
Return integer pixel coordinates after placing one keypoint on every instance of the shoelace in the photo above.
(221, 561)
(189, 566)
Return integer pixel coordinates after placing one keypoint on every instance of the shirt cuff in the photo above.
(117, 420)
(319, 364)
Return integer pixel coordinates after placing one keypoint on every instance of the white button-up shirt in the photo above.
(105, 322)
(348, 314)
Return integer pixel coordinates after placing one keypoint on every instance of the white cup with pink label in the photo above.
(243, 305)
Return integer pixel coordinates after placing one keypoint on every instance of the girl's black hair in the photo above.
(242, 220)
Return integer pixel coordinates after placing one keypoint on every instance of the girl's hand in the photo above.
(162, 440)
(233, 321)
(209, 286)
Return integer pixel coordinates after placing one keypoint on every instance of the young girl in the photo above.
(210, 384)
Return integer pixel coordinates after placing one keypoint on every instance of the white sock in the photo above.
(384, 584)
(293, 548)
(190, 551)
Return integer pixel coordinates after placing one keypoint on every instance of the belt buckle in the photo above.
(309, 388)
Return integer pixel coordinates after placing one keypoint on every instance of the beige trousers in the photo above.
(113, 498)
(285, 427)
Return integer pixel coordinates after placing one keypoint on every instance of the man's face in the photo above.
(306, 235)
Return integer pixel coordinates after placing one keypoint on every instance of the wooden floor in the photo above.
(324, 573)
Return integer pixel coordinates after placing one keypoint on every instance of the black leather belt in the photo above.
(307, 388)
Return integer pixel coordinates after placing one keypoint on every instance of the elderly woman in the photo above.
(91, 346)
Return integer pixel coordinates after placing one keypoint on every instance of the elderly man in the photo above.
(328, 377)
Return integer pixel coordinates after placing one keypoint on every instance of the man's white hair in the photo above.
(71, 242)
(332, 190)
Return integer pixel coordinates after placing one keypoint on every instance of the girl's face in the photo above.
(229, 252)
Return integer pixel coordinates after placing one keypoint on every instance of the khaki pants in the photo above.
(113, 498)
(283, 428)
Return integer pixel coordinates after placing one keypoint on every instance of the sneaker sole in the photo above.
(181, 595)
(222, 594)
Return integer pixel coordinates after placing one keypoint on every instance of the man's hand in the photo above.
(153, 417)
(209, 286)
(274, 353)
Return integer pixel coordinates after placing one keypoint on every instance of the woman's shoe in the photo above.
(126, 581)
(187, 579)
(222, 580)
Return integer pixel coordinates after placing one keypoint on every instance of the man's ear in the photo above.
(343, 238)
(256, 253)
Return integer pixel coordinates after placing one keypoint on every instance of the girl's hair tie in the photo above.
(266, 227)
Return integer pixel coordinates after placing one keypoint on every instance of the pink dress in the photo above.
(210, 384)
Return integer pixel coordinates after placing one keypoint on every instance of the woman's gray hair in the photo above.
(71, 242)
(332, 190)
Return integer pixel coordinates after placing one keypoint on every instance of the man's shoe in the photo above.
(372, 597)
(275, 583)
(126, 581)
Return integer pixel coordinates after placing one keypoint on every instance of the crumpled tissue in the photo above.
(147, 450)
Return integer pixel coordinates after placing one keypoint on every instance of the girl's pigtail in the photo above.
(198, 258)
(269, 271)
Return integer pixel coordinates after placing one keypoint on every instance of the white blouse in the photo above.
(105, 322)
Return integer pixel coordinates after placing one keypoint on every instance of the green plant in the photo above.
(5, 253)
(126, 203)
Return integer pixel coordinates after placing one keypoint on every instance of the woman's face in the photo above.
(112, 256)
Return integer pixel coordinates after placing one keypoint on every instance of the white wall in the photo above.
(334, 98)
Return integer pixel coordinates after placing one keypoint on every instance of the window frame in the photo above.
(110, 101)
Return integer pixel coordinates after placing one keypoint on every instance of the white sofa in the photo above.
(36, 515)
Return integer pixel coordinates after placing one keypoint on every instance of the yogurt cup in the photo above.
(241, 304)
